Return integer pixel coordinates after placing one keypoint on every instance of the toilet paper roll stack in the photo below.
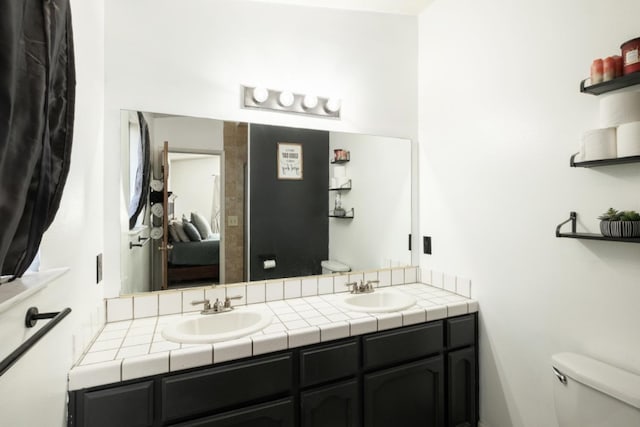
(620, 135)
(619, 108)
(341, 182)
(598, 144)
(628, 136)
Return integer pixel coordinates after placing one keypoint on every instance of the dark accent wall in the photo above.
(288, 218)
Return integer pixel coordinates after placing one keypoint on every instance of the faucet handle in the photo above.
(354, 286)
(206, 302)
(227, 300)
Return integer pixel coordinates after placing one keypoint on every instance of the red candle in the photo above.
(596, 71)
(608, 69)
(618, 61)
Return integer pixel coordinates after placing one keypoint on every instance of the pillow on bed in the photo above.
(191, 231)
(201, 224)
(173, 232)
(181, 233)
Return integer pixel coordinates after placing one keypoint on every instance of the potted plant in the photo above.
(614, 223)
(629, 224)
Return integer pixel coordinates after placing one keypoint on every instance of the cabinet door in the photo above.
(335, 406)
(127, 406)
(273, 414)
(462, 410)
(408, 395)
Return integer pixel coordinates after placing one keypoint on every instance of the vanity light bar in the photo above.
(282, 100)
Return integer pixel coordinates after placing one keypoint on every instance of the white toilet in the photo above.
(590, 393)
(331, 266)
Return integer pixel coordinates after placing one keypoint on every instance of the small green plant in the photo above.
(629, 216)
(610, 215)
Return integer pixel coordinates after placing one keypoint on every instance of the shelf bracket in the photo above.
(572, 162)
(572, 219)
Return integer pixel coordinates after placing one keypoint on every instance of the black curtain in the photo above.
(37, 95)
(143, 173)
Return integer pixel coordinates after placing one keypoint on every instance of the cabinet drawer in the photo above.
(461, 331)
(272, 414)
(328, 363)
(129, 405)
(220, 388)
(400, 345)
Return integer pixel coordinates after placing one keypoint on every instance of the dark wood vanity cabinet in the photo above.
(409, 395)
(336, 405)
(273, 414)
(422, 375)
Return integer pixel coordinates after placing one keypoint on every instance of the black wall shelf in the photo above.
(603, 162)
(348, 215)
(611, 85)
(589, 236)
(346, 187)
(339, 162)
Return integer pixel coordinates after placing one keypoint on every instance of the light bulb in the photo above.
(310, 102)
(333, 105)
(260, 95)
(286, 99)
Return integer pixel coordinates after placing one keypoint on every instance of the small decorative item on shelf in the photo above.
(631, 56)
(620, 224)
(340, 155)
(338, 209)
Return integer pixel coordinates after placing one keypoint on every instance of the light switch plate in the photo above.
(99, 268)
(426, 245)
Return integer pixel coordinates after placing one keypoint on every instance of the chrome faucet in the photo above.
(227, 301)
(207, 305)
(362, 288)
(218, 306)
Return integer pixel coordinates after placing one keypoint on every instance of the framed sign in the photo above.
(289, 161)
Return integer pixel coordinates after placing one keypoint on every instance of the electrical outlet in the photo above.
(232, 220)
(426, 245)
(99, 268)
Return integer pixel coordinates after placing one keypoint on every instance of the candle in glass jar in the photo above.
(596, 71)
(618, 61)
(608, 69)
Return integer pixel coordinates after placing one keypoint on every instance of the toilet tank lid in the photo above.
(335, 266)
(618, 383)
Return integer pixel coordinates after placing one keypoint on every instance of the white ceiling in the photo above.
(405, 7)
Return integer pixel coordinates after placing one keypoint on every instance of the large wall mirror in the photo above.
(236, 202)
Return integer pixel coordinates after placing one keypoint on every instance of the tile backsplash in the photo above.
(179, 301)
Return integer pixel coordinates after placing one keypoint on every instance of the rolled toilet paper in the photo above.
(599, 144)
(619, 108)
(339, 171)
(628, 136)
(341, 182)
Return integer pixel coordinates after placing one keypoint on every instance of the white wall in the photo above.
(500, 114)
(381, 196)
(192, 181)
(34, 390)
(191, 57)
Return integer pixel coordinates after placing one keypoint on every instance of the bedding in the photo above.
(205, 252)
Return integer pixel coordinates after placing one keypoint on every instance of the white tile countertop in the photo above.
(135, 348)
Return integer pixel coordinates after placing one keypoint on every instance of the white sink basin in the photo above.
(217, 327)
(379, 301)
